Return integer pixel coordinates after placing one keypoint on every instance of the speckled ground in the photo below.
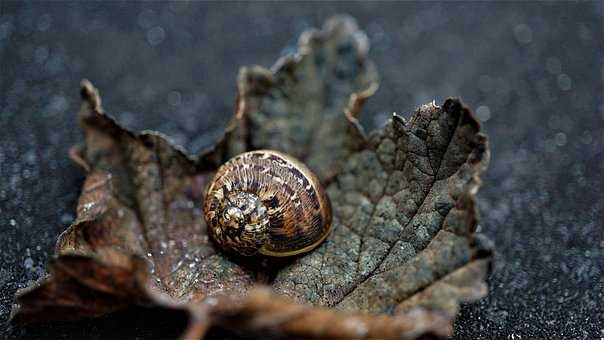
(534, 73)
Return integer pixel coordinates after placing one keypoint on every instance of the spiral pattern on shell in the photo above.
(267, 202)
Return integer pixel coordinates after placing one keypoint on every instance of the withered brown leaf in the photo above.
(403, 252)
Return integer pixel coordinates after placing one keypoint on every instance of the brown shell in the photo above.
(299, 211)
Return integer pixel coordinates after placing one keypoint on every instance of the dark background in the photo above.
(534, 73)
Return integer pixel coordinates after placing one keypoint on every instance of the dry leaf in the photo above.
(403, 253)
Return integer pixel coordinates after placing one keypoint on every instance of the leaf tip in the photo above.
(483, 246)
(90, 95)
(454, 105)
(254, 80)
(399, 119)
(346, 24)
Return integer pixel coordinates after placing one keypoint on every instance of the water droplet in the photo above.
(28, 263)
(586, 138)
(30, 157)
(40, 54)
(44, 22)
(58, 104)
(211, 301)
(560, 139)
(5, 30)
(174, 98)
(66, 218)
(155, 35)
(483, 113)
(523, 33)
(564, 82)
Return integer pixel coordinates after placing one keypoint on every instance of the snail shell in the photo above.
(269, 203)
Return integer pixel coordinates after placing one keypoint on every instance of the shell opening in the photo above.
(243, 222)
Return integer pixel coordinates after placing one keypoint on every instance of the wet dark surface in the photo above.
(534, 73)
